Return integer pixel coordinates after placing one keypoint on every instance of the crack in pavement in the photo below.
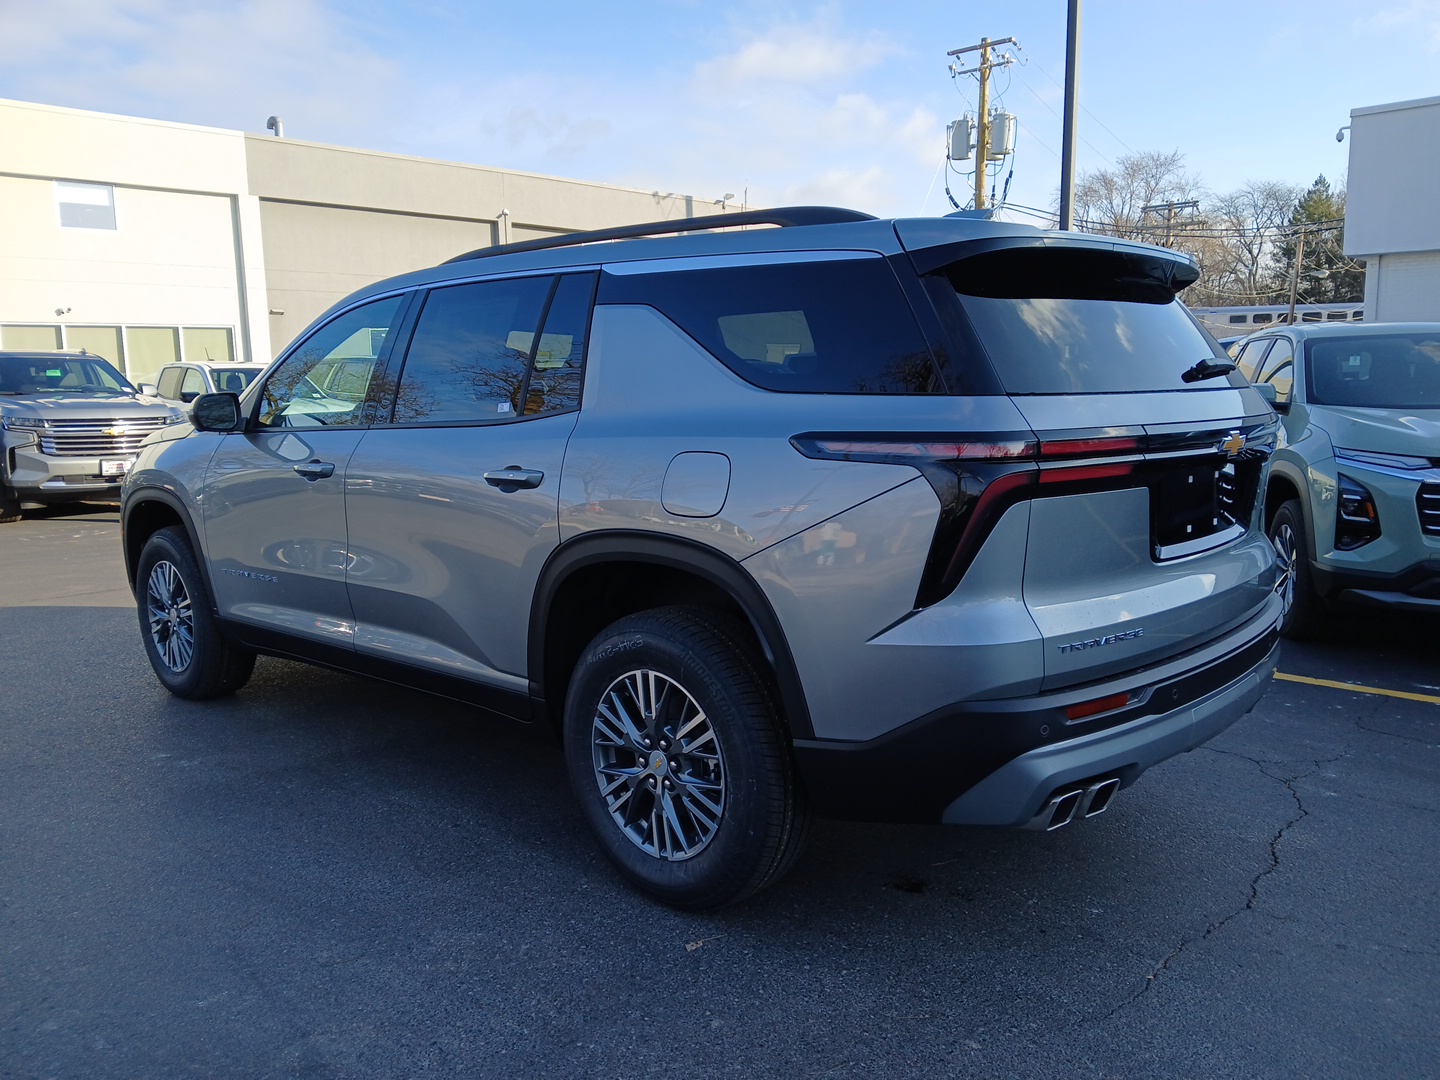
(1302, 812)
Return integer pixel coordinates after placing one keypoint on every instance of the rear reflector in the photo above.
(1099, 705)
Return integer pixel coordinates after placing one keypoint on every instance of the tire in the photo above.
(712, 753)
(9, 506)
(189, 654)
(1302, 612)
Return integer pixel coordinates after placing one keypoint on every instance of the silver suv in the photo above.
(70, 427)
(918, 520)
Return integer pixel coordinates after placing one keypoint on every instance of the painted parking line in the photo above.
(1382, 691)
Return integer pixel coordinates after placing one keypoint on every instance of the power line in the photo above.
(1027, 62)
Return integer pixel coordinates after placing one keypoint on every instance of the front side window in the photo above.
(193, 385)
(1248, 362)
(325, 380)
(1279, 370)
(825, 327)
(168, 385)
(469, 358)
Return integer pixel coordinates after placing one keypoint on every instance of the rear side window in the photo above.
(1080, 322)
(828, 327)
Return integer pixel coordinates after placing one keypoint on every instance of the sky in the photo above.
(774, 103)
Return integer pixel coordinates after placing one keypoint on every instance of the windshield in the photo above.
(1386, 371)
(88, 375)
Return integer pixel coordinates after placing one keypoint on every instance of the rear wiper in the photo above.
(1207, 369)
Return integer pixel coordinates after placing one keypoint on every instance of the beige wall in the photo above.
(315, 255)
(219, 228)
(179, 250)
(334, 219)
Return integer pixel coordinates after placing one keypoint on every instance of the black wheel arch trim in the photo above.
(676, 553)
(172, 502)
(1284, 471)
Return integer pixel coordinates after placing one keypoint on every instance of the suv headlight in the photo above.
(23, 423)
(176, 417)
(1382, 461)
(1357, 522)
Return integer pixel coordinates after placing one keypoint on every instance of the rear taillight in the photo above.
(977, 478)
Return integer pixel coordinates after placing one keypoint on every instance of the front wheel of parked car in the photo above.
(677, 755)
(9, 506)
(186, 649)
(1302, 614)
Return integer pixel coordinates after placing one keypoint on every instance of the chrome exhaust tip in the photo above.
(1060, 810)
(1098, 796)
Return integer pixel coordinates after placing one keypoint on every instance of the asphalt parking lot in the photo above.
(329, 877)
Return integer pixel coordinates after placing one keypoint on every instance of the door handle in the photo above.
(314, 470)
(513, 476)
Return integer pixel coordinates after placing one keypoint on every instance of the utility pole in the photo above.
(1295, 277)
(1067, 146)
(982, 122)
(1169, 208)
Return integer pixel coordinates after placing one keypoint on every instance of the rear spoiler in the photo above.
(1019, 263)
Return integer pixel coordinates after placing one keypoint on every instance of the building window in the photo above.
(207, 343)
(85, 206)
(30, 338)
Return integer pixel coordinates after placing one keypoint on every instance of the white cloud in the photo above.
(789, 109)
(800, 53)
(222, 64)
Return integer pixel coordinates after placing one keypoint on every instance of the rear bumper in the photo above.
(998, 762)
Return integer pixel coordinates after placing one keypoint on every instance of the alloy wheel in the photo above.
(658, 765)
(170, 616)
(1286, 551)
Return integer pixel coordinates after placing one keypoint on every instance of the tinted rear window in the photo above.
(829, 327)
(1079, 322)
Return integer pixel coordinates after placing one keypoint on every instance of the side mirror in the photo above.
(216, 412)
(1267, 391)
(149, 389)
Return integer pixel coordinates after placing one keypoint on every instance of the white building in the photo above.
(146, 241)
(1392, 208)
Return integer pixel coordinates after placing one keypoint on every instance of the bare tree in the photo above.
(1249, 218)
(1112, 201)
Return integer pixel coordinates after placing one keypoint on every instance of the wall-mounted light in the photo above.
(59, 311)
(1340, 135)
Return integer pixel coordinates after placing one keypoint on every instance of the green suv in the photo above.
(1353, 505)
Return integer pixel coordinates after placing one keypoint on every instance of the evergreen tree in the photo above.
(1327, 276)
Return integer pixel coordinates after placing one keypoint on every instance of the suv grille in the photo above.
(1427, 501)
(93, 438)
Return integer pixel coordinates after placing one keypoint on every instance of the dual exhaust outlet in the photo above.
(1087, 799)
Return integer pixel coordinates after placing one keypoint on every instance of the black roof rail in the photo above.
(784, 216)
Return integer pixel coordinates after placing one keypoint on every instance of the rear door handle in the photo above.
(315, 470)
(512, 476)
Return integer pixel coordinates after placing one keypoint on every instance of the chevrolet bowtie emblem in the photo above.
(1233, 444)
